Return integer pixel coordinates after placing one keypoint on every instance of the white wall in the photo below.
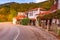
(58, 4)
(21, 13)
(14, 20)
(33, 16)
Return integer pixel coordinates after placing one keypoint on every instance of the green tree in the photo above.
(12, 14)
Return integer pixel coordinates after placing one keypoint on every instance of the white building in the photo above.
(58, 4)
(32, 14)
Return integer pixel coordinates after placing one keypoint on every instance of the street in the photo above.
(9, 31)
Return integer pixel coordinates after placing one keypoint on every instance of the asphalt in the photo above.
(9, 31)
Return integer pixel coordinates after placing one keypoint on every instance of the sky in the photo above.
(20, 1)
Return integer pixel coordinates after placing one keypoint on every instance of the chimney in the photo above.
(38, 10)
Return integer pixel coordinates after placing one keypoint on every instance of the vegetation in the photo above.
(55, 15)
(9, 10)
(25, 21)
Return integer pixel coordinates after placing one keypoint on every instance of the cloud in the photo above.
(4, 1)
(37, 1)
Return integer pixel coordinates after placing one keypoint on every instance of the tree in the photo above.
(12, 14)
(10, 10)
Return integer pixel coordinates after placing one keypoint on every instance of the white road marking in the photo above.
(17, 34)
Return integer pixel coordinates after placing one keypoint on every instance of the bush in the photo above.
(2, 20)
(25, 21)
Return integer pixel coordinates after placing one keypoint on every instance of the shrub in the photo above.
(25, 21)
(2, 20)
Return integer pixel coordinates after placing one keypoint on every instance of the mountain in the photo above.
(9, 10)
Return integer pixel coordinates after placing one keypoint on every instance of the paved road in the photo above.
(9, 31)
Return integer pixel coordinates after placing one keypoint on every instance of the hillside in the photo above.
(9, 10)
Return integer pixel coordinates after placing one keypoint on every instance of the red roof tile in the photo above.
(20, 17)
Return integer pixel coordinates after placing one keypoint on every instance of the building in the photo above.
(56, 4)
(19, 17)
(34, 13)
(58, 1)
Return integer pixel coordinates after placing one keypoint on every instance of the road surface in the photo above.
(9, 31)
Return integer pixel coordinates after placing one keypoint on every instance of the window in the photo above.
(30, 13)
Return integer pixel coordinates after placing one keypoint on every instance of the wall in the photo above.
(58, 4)
(32, 14)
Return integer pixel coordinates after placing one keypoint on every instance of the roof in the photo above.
(54, 7)
(20, 17)
(37, 9)
(42, 13)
